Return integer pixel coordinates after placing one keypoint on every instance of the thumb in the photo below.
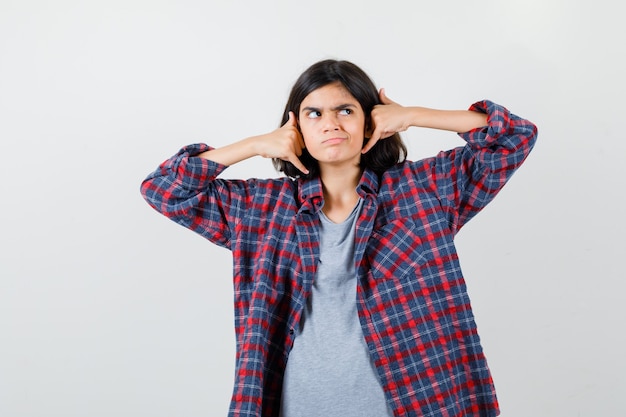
(292, 120)
(383, 97)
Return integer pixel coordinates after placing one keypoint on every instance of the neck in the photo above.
(340, 194)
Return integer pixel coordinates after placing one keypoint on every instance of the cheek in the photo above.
(360, 130)
(305, 138)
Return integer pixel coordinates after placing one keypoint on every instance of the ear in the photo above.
(368, 128)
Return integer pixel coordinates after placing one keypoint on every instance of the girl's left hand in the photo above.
(387, 119)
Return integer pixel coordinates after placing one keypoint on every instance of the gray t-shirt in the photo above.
(329, 371)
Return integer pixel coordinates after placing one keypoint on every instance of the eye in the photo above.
(313, 114)
(345, 112)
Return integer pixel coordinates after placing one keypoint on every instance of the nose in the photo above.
(331, 122)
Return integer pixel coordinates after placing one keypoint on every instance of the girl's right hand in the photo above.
(284, 143)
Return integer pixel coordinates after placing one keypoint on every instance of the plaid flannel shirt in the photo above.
(411, 295)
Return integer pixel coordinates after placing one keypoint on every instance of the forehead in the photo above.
(330, 95)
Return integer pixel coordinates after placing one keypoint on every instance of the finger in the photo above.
(383, 97)
(293, 123)
(298, 164)
(372, 142)
(297, 146)
(292, 120)
(300, 139)
(301, 143)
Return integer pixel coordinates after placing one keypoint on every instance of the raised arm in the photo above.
(390, 117)
(466, 178)
(284, 143)
(469, 177)
(185, 188)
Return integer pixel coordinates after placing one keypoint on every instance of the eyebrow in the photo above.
(339, 107)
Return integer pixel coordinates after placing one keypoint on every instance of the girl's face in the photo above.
(332, 123)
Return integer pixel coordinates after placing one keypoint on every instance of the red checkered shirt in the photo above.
(411, 295)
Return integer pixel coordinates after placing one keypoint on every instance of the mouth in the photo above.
(333, 141)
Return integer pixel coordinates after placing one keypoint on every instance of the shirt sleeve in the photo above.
(468, 178)
(185, 189)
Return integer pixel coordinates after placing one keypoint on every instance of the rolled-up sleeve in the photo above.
(185, 189)
(468, 178)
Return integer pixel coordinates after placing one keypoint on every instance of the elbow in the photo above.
(154, 196)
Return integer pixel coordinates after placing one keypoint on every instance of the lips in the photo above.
(333, 141)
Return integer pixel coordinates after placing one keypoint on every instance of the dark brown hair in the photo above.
(382, 156)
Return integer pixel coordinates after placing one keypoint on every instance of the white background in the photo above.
(109, 309)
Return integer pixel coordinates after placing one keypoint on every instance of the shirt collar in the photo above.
(368, 184)
(311, 194)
